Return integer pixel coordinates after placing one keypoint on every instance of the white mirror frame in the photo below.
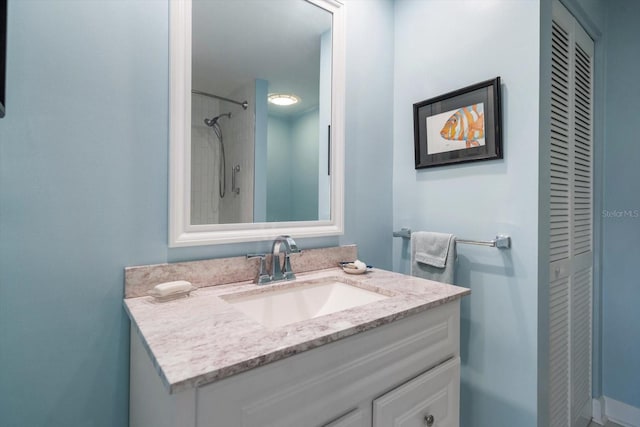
(181, 231)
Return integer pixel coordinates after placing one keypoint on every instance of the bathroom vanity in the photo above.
(203, 361)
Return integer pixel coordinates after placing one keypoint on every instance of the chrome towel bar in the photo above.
(502, 241)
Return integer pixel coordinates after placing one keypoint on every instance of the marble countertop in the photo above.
(202, 339)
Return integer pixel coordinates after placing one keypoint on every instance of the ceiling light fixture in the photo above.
(283, 99)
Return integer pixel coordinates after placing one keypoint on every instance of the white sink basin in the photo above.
(304, 301)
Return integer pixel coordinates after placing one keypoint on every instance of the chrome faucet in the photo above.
(279, 271)
(282, 271)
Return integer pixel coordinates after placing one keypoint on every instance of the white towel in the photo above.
(433, 256)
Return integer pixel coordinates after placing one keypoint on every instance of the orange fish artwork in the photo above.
(466, 124)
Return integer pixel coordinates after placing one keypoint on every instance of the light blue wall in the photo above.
(260, 163)
(305, 165)
(279, 201)
(369, 116)
(440, 47)
(292, 167)
(83, 192)
(621, 207)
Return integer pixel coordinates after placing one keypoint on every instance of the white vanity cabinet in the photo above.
(399, 373)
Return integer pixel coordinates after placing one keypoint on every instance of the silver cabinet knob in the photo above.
(429, 420)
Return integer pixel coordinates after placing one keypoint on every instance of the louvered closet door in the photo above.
(570, 222)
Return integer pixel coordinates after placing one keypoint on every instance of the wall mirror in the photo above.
(256, 120)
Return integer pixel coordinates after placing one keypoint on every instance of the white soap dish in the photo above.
(170, 291)
(355, 267)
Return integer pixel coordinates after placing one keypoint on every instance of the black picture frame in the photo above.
(3, 54)
(447, 127)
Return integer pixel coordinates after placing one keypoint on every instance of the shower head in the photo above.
(214, 120)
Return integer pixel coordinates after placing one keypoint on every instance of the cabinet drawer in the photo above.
(431, 399)
(354, 418)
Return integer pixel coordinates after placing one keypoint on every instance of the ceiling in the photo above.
(237, 41)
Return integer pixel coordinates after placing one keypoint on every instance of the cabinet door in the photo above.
(354, 418)
(431, 399)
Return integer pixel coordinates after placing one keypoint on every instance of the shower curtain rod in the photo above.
(244, 104)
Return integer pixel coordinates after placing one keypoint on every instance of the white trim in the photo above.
(621, 413)
(181, 232)
(599, 417)
(179, 111)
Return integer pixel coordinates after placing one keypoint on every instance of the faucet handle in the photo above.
(293, 247)
(250, 256)
(263, 277)
(288, 271)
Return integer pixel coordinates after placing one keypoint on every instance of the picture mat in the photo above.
(436, 143)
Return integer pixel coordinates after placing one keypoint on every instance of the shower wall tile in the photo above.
(239, 137)
(205, 153)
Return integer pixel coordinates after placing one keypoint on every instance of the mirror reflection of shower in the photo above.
(222, 166)
(222, 156)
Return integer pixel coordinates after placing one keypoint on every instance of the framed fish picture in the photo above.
(460, 126)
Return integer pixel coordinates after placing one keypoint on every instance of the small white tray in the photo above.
(347, 268)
